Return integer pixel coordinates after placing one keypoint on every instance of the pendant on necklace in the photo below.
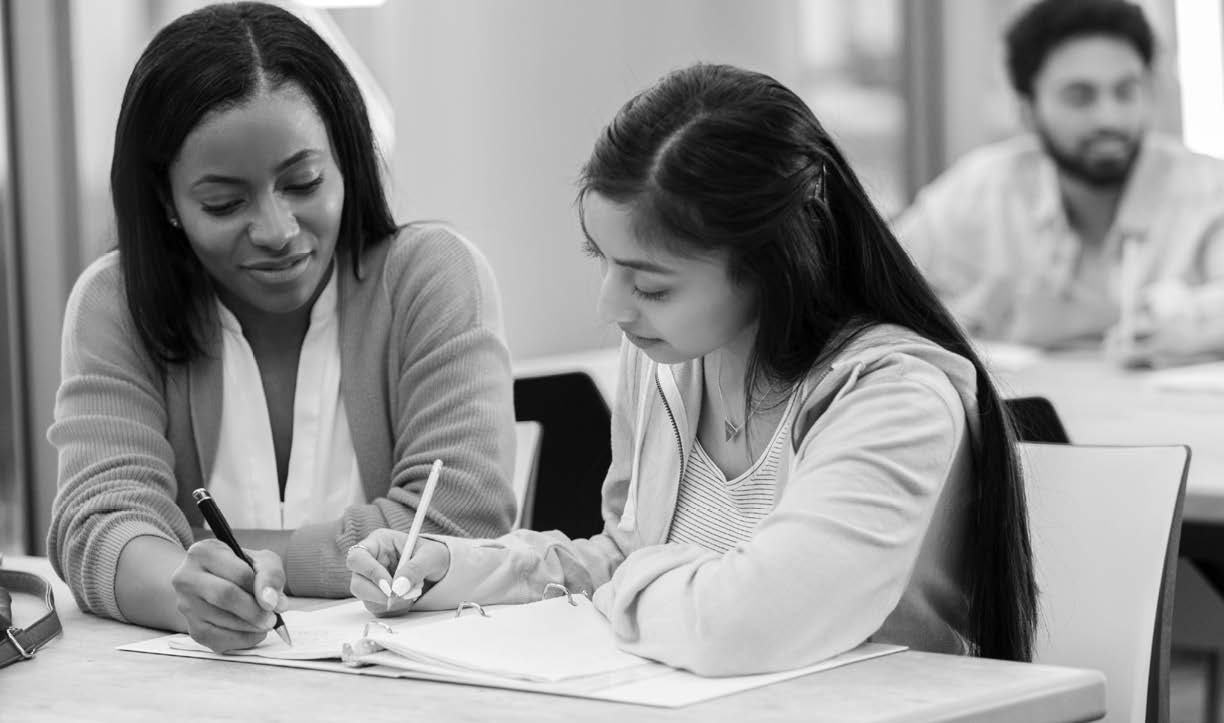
(732, 430)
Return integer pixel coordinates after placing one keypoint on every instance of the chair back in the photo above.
(575, 451)
(526, 465)
(1105, 524)
(1035, 420)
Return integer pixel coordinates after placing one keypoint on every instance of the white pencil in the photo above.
(400, 586)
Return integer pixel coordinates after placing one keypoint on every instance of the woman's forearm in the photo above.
(143, 589)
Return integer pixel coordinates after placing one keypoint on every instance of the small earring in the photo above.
(174, 221)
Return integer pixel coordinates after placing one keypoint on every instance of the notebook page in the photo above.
(317, 634)
(546, 641)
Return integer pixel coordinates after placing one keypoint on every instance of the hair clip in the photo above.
(818, 195)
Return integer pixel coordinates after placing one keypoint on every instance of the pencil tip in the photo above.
(283, 632)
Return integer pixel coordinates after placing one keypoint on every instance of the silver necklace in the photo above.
(730, 429)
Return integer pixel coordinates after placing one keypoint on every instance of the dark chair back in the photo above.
(575, 450)
(1036, 421)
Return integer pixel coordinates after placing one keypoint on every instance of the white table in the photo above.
(81, 676)
(1102, 404)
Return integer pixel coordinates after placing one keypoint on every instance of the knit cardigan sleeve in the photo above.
(116, 466)
(450, 397)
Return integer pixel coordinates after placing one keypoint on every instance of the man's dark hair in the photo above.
(1045, 25)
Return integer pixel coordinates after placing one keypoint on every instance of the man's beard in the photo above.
(1104, 174)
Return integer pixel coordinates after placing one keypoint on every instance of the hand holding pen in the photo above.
(214, 586)
(414, 560)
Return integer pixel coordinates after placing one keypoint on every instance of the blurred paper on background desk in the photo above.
(1195, 378)
(1005, 357)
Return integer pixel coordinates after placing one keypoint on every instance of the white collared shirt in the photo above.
(323, 478)
(992, 237)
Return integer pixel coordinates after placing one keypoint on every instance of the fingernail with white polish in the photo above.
(269, 597)
(401, 586)
(385, 587)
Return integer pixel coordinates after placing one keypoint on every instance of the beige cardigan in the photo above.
(424, 374)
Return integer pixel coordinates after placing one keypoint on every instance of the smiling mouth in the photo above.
(278, 265)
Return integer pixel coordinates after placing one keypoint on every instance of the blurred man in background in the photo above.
(1090, 227)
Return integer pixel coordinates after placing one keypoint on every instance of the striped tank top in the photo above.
(716, 513)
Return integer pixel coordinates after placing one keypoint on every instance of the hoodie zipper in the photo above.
(675, 427)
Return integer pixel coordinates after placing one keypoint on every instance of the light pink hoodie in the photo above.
(865, 539)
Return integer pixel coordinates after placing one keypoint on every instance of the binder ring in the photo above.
(468, 604)
(569, 596)
(365, 632)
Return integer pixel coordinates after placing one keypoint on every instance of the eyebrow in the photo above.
(1112, 82)
(635, 264)
(280, 168)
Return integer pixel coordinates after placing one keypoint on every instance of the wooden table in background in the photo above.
(81, 676)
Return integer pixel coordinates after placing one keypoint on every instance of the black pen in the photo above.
(216, 521)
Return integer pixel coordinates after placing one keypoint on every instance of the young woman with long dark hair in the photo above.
(806, 451)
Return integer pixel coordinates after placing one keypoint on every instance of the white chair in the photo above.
(526, 464)
(1105, 524)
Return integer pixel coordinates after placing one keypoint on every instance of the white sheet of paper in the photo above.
(317, 634)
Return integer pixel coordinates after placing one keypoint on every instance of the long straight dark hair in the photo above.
(212, 59)
(716, 158)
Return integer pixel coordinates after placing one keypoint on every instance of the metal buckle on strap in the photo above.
(11, 633)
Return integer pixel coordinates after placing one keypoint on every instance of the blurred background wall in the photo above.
(493, 106)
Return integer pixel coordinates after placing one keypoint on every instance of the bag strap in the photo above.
(21, 643)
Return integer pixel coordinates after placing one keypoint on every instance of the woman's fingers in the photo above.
(214, 595)
(269, 583)
(368, 567)
(429, 561)
(366, 591)
(375, 600)
(220, 639)
(237, 601)
(202, 610)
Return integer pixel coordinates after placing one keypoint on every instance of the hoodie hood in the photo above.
(680, 389)
(872, 346)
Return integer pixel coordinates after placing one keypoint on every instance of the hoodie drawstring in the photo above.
(628, 520)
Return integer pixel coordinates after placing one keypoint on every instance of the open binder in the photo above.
(553, 640)
(559, 645)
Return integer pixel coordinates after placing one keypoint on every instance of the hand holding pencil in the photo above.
(413, 560)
